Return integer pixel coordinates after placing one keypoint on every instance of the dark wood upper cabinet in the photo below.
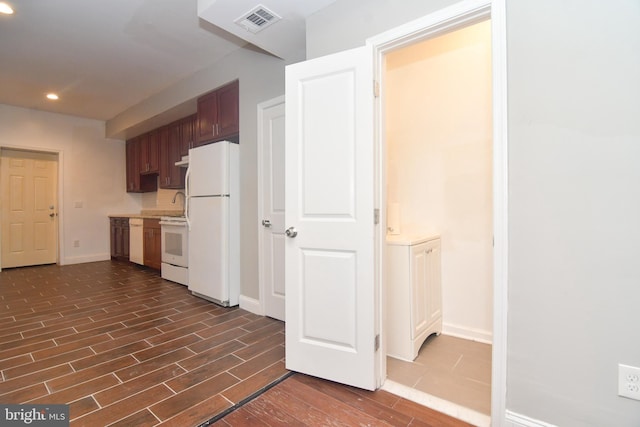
(136, 182)
(151, 157)
(171, 176)
(218, 114)
(187, 133)
(150, 152)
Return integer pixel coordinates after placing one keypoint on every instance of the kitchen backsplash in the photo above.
(162, 200)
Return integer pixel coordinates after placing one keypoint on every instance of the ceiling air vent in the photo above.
(257, 19)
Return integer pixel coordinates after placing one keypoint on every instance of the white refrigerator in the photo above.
(213, 218)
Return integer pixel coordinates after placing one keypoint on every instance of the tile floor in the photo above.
(450, 368)
(122, 346)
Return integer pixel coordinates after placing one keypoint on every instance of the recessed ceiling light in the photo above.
(5, 8)
(52, 96)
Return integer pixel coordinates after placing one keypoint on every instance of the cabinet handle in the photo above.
(213, 130)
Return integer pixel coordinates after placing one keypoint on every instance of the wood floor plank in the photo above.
(199, 413)
(358, 401)
(77, 377)
(267, 407)
(35, 377)
(251, 367)
(137, 369)
(210, 355)
(329, 404)
(78, 391)
(142, 418)
(259, 381)
(123, 408)
(269, 342)
(138, 384)
(24, 394)
(196, 376)
(192, 396)
(242, 418)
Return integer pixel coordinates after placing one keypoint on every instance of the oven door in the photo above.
(174, 243)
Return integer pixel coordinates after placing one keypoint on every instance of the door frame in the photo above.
(261, 305)
(457, 16)
(59, 195)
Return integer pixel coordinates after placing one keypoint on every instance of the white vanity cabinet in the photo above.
(414, 293)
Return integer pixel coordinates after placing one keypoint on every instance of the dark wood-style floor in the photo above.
(124, 347)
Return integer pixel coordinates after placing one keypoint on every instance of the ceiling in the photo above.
(102, 57)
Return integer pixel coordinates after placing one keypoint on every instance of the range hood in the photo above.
(184, 162)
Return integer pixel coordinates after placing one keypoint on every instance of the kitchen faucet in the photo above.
(176, 195)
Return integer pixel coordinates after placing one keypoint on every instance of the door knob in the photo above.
(266, 223)
(52, 214)
(291, 232)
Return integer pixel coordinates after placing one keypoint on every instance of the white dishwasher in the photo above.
(135, 241)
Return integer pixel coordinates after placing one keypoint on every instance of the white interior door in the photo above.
(29, 211)
(329, 272)
(271, 135)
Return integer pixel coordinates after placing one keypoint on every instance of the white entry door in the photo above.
(29, 211)
(271, 137)
(329, 250)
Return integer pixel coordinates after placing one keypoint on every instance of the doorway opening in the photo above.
(29, 185)
(437, 147)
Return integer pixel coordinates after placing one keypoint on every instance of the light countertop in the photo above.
(408, 239)
(149, 213)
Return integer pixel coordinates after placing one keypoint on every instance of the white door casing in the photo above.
(271, 194)
(29, 208)
(331, 299)
(455, 16)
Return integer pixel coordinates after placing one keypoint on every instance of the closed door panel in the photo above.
(272, 194)
(29, 214)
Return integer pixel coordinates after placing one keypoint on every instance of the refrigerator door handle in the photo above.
(186, 198)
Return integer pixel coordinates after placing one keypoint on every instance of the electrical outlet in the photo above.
(629, 381)
(76, 243)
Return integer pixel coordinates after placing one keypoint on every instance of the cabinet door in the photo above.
(187, 134)
(114, 237)
(125, 238)
(150, 152)
(171, 176)
(207, 118)
(228, 111)
(119, 228)
(425, 286)
(143, 163)
(133, 165)
(152, 254)
(137, 182)
(218, 114)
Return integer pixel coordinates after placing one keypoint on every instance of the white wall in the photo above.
(574, 209)
(261, 78)
(92, 171)
(439, 155)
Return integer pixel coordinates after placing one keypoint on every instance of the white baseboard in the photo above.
(252, 305)
(85, 258)
(467, 333)
(518, 420)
